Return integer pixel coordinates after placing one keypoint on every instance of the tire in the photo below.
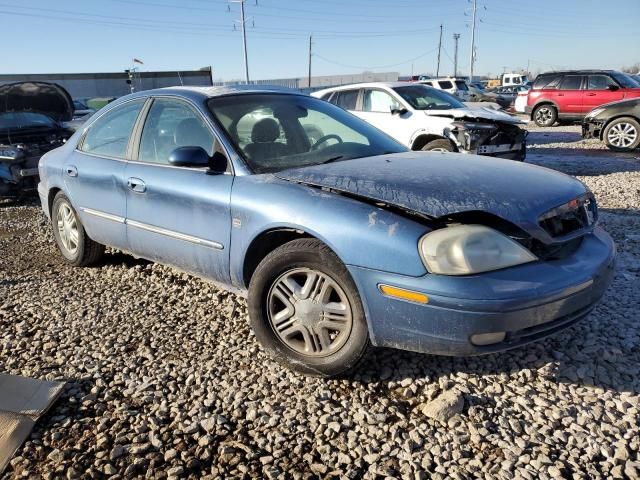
(440, 145)
(622, 134)
(303, 339)
(77, 248)
(545, 115)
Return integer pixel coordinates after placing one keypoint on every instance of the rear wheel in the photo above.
(306, 311)
(545, 115)
(622, 135)
(73, 242)
(440, 145)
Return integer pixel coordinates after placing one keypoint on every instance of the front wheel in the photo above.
(622, 135)
(306, 311)
(440, 145)
(73, 242)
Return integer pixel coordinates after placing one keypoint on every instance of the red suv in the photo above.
(570, 95)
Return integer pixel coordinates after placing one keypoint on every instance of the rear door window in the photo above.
(571, 82)
(109, 135)
(346, 99)
(445, 84)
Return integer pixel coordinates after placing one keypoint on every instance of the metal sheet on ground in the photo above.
(22, 401)
(27, 396)
(14, 429)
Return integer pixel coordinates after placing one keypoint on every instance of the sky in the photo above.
(349, 36)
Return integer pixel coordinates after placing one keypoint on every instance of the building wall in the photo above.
(89, 85)
(319, 82)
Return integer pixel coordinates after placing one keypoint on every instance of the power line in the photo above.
(378, 66)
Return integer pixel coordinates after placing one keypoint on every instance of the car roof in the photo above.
(204, 93)
(564, 72)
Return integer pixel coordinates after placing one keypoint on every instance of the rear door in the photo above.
(178, 215)
(94, 174)
(569, 96)
(599, 91)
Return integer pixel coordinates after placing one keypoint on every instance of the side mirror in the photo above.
(613, 88)
(398, 110)
(189, 157)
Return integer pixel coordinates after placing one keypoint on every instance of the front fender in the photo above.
(360, 233)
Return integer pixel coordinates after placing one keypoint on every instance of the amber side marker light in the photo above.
(403, 294)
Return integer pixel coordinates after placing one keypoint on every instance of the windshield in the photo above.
(275, 132)
(19, 120)
(421, 97)
(625, 80)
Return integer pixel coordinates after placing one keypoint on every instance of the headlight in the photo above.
(466, 249)
(595, 112)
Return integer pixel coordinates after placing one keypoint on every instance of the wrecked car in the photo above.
(340, 241)
(31, 124)
(424, 118)
(617, 124)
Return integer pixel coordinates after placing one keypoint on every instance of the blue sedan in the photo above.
(337, 235)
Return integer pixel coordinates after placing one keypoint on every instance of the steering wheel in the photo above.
(324, 139)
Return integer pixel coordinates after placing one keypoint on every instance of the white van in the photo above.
(455, 86)
(511, 79)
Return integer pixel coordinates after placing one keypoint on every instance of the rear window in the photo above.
(461, 85)
(445, 84)
(546, 81)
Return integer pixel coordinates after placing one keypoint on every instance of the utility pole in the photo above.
(310, 43)
(243, 22)
(456, 37)
(439, 48)
(473, 40)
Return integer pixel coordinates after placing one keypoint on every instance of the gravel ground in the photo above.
(165, 378)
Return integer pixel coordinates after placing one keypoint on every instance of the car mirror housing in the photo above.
(613, 88)
(189, 157)
(398, 110)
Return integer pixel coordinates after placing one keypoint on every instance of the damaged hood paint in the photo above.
(41, 97)
(441, 184)
(474, 114)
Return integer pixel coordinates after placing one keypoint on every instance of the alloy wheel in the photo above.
(309, 312)
(622, 135)
(543, 115)
(67, 228)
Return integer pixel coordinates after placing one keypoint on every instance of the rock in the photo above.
(444, 406)
(116, 452)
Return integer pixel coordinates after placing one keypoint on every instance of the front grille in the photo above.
(575, 215)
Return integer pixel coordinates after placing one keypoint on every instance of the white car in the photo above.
(424, 118)
(455, 86)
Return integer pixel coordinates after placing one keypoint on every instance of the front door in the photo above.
(601, 89)
(377, 106)
(178, 215)
(94, 174)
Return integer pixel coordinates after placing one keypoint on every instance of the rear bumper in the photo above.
(527, 303)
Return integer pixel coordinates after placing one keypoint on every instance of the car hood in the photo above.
(441, 184)
(41, 97)
(474, 114)
(628, 102)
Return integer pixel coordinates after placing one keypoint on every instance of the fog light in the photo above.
(488, 338)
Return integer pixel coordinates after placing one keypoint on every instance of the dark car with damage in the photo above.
(340, 241)
(617, 124)
(32, 116)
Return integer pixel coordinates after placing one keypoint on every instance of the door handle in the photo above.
(591, 94)
(136, 185)
(561, 94)
(71, 170)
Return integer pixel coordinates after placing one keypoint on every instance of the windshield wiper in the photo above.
(332, 159)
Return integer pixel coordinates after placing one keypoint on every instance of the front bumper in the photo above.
(528, 302)
(592, 128)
